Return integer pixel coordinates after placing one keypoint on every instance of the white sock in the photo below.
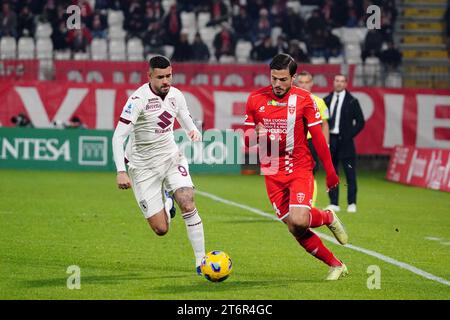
(194, 227)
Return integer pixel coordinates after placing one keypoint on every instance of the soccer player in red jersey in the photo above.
(283, 113)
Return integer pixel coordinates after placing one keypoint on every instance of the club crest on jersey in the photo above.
(173, 102)
(291, 109)
(300, 197)
(262, 109)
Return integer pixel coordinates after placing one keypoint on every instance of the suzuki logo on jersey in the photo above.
(262, 109)
(165, 120)
(300, 197)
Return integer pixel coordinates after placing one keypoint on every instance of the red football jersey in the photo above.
(287, 120)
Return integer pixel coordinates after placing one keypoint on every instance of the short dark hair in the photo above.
(159, 62)
(284, 61)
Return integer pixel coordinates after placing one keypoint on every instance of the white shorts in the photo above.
(149, 184)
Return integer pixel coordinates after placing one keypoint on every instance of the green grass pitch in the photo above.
(52, 220)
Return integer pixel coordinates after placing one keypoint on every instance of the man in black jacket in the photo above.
(345, 122)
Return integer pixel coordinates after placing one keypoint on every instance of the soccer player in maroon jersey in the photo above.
(283, 113)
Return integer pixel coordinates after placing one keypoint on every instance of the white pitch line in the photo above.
(380, 256)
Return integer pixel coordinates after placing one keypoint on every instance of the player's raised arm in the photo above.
(127, 118)
(186, 122)
(313, 118)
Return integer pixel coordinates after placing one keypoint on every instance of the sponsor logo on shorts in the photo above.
(143, 205)
(300, 197)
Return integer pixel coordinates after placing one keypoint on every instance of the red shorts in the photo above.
(294, 190)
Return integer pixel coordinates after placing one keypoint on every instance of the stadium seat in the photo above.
(304, 10)
(393, 80)
(318, 60)
(81, 56)
(203, 19)
(115, 18)
(116, 33)
(26, 48)
(165, 4)
(63, 55)
(135, 49)
(208, 35)
(188, 20)
(275, 33)
(44, 48)
(99, 49)
(243, 49)
(43, 30)
(352, 52)
(117, 50)
(190, 33)
(168, 51)
(303, 46)
(336, 60)
(227, 59)
(296, 6)
(8, 48)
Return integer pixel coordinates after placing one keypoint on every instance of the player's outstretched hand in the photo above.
(123, 181)
(332, 181)
(194, 135)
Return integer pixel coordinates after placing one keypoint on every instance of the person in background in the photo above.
(346, 121)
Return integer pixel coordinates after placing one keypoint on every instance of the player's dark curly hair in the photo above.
(284, 61)
(159, 62)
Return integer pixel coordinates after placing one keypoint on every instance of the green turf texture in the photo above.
(52, 220)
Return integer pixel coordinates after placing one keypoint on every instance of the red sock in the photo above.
(312, 243)
(320, 218)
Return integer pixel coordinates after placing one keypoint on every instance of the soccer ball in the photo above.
(216, 266)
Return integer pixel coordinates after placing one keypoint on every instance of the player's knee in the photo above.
(298, 223)
(160, 230)
(187, 206)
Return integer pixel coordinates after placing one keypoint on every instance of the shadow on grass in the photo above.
(226, 286)
(262, 220)
(103, 280)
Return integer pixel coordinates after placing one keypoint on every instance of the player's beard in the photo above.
(283, 92)
(163, 90)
